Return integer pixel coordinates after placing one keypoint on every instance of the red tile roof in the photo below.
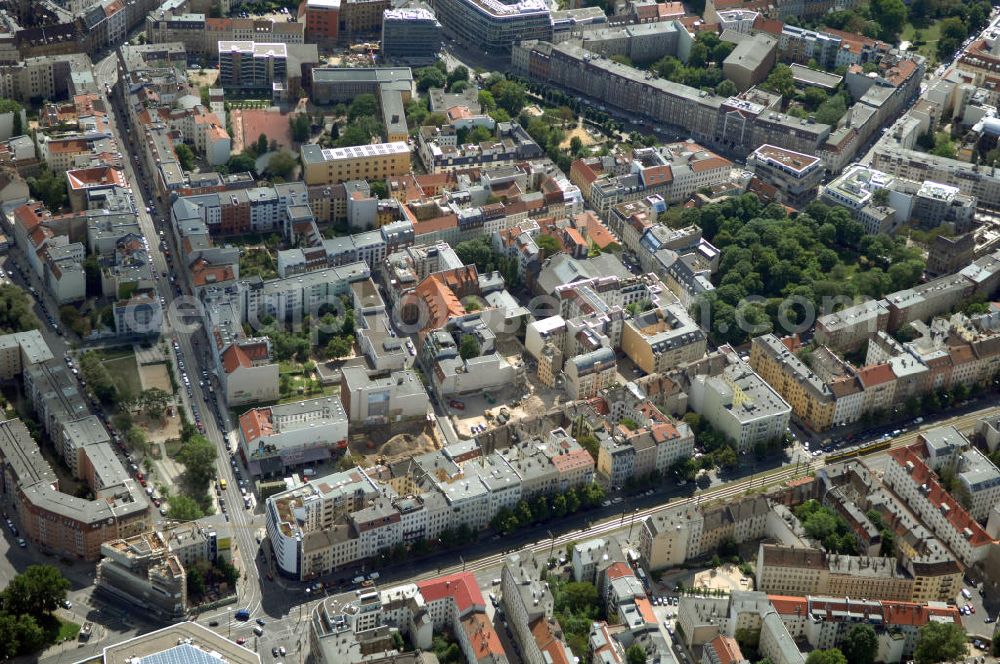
(726, 649)
(27, 217)
(921, 475)
(234, 357)
(876, 374)
(548, 643)
(461, 587)
(645, 610)
(256, 424)
(618, 570)
(710, 163)
(483, 638)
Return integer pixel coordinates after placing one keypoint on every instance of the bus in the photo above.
(222, 485)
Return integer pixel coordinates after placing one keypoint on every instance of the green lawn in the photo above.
(67, 630)
(124, 369)
(929, 35)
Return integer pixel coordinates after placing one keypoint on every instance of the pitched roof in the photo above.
(955, 514)
(235, 357)
(461, 587)
(726, 649)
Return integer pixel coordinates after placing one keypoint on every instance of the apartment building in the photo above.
(796, 176)
(849, 328)
(734, 124)
(529, 604)
(298, 517)
(786, 570)
(291, 298)
(909, 477)
(362, 162)
(252, 65)
(928, 203)
(815, 622)
(740, 404)
(946, 448)
(201, 35)
(675, 534)
(148, 570)
(418, 611)
(57, 521)
(45, 76)
(321, 19)
(589, 373)
(809, 396)
(662, 338)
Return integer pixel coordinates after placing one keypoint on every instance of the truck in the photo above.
(86, 630)
(242, 614)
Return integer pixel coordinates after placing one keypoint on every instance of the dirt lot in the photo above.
(155, 375)
(399, 447)
(727, 577)
(159, 431)
(581, 132)
(200, 77)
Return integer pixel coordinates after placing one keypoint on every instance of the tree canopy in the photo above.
(184, 508)
(823, 524)
(635, 654)
(469, 347)
(50, 188)
(26, 607)
(861, 645)
(300, 126)
(940, 642)
(105, 387)
(15, 310)
(198, 455)
(831, 656)
(818, 253)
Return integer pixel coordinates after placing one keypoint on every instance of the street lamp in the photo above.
(632, 522)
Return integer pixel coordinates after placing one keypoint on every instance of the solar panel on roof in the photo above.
(182, 654)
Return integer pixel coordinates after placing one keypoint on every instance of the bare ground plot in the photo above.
(581, 133)
(727, 577)
(400, 447)
(155, 375)
(161, 430)
(200, 77)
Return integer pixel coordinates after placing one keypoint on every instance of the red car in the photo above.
(456, 404)
(240, 641)
(142, 482)
(139, 475)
